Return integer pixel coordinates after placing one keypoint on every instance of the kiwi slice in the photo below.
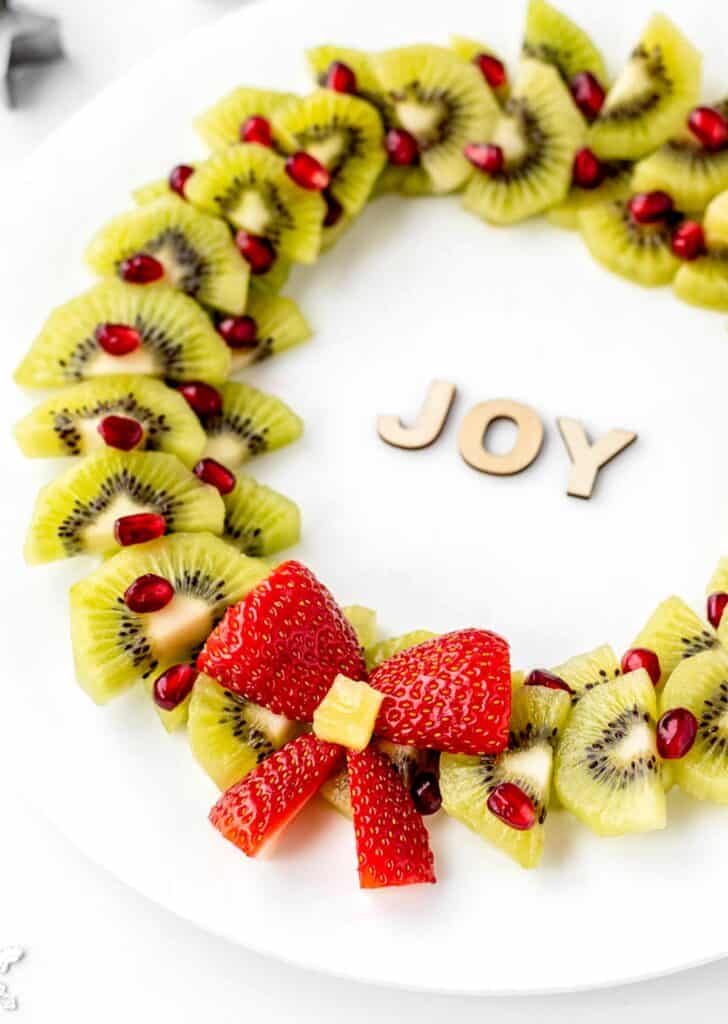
(76, 512)
(258, 520)
(607, 772)
(342, 132)
(674, 632)
(67, 423)
(270, 282)
(279, 325)
(248, 185)
(440, 99)
(176, 339)
(198, 255)
(538, 133)
(704, 281)
(405, 759)
(701, 685)
(364, 621)
(156, 188)
(229, 735)
(320, 59)
(471, 50)
(585, 671)
(379, 652)
(114, 647)
(616, 184)
(640, 252)
(466, 782)
(649, 101)
(221, 125)
(250, 423)
(685, 169)
(553, 38)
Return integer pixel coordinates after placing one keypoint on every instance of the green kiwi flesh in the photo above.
(364, 621)
(258, 520)
(280, 325)
(616, 184)
(250, 423)
(674, 632)
(470, 49)
(220, 126)
(641, 253)
(583, 672)
(704, 281)
(384, 649)
(550, 36)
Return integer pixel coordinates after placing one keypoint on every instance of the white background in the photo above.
(98, 951)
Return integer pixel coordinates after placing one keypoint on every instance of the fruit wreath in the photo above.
(284, 694)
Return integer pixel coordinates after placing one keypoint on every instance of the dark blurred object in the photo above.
(27, 39)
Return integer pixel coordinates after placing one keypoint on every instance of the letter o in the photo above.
(475, 426)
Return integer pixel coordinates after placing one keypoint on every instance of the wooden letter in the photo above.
(475, 427)
(587, 459)
(428, 425)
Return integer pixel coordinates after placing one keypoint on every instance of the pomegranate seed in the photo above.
(203, 399)
(239, 331)
(118, 339)
(307, 172)
(709, 127)
(676, 732)
(641, 657)
(340, 77)
(148, 593)
(491, 69)
(120, 432)
(138, 528)
(402, 148)
(334, 209)
(257, 250)
(540, 677)
(485, 157)
(650, 207)
(173, 686)
(587, 170)
(178, 178)
(426, 793)
(257, 129)
(716, 606)
(214, 473)
(587, 93)
(688, 240)
(514, 807)
(141, 269)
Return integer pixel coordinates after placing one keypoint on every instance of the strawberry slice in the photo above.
(392, 844)
(452, 693)
(284, 645)
(255, 809)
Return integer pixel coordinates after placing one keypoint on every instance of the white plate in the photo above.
(416, 290)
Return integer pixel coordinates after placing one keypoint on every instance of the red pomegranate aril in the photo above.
(587, 170)
(402, 148)
(514, 807)
(257, 129)
(141, 269)
(676, 732)
(426, 793)
(491, 69)
(120, 432)
(257, 251)
(202, 398)
(212, 472)
(541, 677)
(334, 209)
(340, 77)
(174, 686)
(709, 127)
(178, 178)
(587, 93)
(641, 657)
(239, 331)
(148, 593)
(308, 172)
(138, 528)
(716, 606)
(688, 240)
(650, 207)
(485, 156)
(118, 339)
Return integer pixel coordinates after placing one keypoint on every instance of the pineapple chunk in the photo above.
(347, 713)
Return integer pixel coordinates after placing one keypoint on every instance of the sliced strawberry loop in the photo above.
(392, 843)
(256, 809)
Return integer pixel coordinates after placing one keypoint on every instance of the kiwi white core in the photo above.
(89, 431)
(634, 80)
(420, 119)
(174, 274)
(140, 361)
(533, 763)
(250, 212)
(327, 150)
(98, 536)
(182, 624)
(226, 448)
(638, 741)
(509, 137)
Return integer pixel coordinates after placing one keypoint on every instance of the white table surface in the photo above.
(98, 952)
